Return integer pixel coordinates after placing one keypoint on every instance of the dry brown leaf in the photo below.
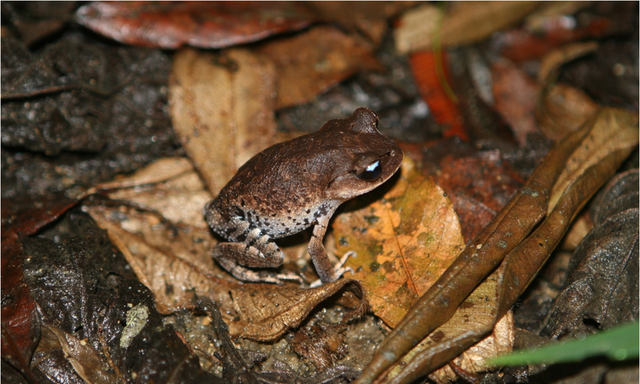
(267, 311)
(169, 186)
(222, 109)
(158, 171)
(173, 262)
(465, 22)
(562, 109)
(612, 130)
(403, 243)
(313, 62)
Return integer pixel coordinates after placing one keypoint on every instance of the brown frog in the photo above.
(294, 185)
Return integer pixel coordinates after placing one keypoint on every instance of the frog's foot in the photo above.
(338, 270)
(250, 275)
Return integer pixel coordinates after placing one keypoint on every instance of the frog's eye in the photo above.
(371, 172)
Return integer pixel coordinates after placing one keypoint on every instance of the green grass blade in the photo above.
(619, 343)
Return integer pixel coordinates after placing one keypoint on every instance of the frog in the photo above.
(295, 185)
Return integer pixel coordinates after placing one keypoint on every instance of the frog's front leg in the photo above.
(325, 268)
(257, 252)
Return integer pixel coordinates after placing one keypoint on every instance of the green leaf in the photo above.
(619, 343)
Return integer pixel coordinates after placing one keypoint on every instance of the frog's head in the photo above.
(362, 158)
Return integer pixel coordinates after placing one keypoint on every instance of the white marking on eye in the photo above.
(373, 166)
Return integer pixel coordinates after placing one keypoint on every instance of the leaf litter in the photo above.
(152, 211)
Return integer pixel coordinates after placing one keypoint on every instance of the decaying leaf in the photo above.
(20, 322)
(173, 262)
(515, 93)
(172, 24)
(403, 243)
(322, 343)
(222, 109)
(304, 73)
(478, 183)
(507, 242)
(86, 361)
(464, 22)
(602, 286)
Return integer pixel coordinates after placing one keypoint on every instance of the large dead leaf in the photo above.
(222, 109)
(602, 285)
(169, 252)
(205, 24)
(266, 311)
(403, 243)
(463, 23)
(507, 242)
(305, 72)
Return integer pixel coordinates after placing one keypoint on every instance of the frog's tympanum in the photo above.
(294, 185)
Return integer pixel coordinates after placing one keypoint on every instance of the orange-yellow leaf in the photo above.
(403, 243)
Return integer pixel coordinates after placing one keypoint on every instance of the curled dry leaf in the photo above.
(170, 25)
(552, 62)
(314, 61)
(562, 109)
(507, 242)
(463, 23)
(403, 243)
(267, 311)
(610, 131)
(222, 109)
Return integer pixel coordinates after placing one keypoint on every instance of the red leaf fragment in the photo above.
(170, 25)
(424, 66)
(20, 326)
(515, 94)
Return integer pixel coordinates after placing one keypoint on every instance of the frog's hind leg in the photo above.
(261, 253)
